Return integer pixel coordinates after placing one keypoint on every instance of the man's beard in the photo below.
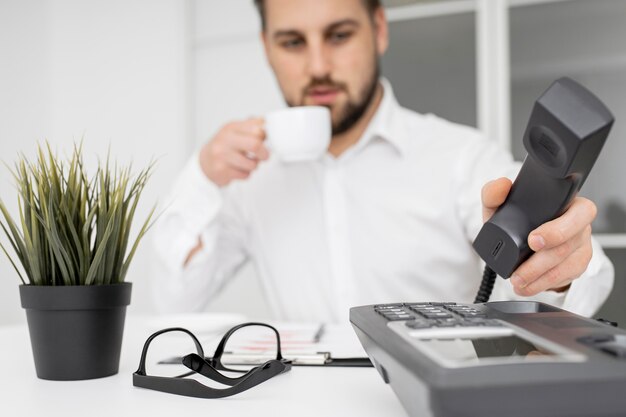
(354, 108)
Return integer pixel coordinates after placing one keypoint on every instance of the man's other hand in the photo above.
(234, 152)
(562, 246)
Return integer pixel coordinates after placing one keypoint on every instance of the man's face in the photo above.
(325, 52)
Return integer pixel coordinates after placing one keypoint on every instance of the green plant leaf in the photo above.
(61, 258)
(144, 229)
(12, 263)
(17, 241)
(71, 228)
(92, 276)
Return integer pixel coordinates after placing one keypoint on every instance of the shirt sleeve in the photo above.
(486, 161)
(196, 210)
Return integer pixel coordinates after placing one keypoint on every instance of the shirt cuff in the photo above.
(587, 293)
(201, 198)
(194, 205)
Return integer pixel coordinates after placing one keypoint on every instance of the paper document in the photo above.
(302, 343)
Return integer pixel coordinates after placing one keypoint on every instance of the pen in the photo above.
(320, 332)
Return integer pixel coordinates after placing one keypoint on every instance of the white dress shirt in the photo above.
(391, 219)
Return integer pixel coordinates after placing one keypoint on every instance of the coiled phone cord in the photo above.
(486, 286)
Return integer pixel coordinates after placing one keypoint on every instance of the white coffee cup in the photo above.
(298, 133)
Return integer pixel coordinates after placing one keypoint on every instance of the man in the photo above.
(387, 215)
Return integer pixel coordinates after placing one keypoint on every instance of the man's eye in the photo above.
(292, 43)
(338, 37)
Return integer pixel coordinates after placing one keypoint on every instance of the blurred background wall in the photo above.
(156, 78)
(113, 73)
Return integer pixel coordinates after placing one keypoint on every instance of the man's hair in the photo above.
(370, 5)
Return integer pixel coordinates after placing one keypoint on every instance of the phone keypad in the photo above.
(429, 315)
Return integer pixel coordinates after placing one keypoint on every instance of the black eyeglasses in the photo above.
(210, 367)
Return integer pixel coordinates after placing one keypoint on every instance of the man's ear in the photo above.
(264, 41)
(382, 30)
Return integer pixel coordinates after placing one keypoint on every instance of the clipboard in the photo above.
(313, 345)
(301, 359)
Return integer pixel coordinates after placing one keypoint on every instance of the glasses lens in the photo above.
(166, 352)
(248, 347)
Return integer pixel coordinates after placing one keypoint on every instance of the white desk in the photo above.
(305, 391)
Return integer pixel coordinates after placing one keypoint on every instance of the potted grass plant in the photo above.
(73, 248)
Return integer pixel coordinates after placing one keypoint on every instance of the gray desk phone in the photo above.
(510, 358)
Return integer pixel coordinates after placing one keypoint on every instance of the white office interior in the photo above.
(153, 79)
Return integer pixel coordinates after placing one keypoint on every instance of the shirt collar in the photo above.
(386, 123)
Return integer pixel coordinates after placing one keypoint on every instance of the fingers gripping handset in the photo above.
(566, 131)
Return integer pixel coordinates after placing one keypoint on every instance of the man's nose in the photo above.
(319, 61)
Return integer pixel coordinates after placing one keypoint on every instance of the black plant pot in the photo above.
(76, 331)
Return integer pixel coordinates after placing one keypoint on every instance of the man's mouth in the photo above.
(323, 95)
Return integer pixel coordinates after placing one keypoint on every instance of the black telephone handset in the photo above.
(566, 131)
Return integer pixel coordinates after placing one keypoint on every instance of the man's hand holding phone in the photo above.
(562, 246)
